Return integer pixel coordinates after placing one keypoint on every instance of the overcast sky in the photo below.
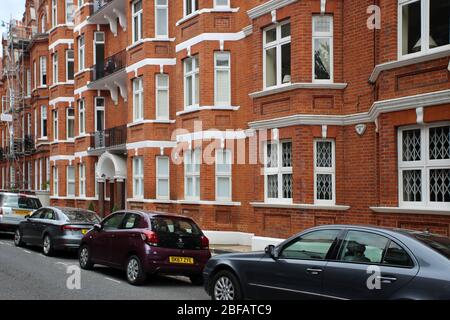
(11, 7)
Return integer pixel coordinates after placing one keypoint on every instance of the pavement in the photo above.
(25, 273)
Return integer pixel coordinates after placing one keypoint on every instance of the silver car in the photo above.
(14, 207)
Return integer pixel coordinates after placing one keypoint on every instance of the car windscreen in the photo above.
(175, 226)
(81, 216)
(16, 201)
(440, 244)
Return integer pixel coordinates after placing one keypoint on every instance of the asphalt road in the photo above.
(25, 273)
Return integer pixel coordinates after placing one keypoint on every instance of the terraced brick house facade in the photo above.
(258, 117)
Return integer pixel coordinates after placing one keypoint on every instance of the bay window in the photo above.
(138, 177)
(81, 117)
(138, 99)
(162, 178)
(162, 18)
(324, 172)
(192, 160)
(222, 79)
(70, 117)
(190, 6)
(70, 181)
(137, 20)
(162, 97)
(277, 55)
(278, 171)
(424, 26)
(424, 166)
(223, 175)
(191, 82)
(323, 48)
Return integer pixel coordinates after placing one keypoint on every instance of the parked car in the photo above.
(144, 243)
(14, 207)
(55, 228)
(337, 262)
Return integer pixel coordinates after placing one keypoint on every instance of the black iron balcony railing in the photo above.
(99, 4)
(111, 65)
(28, 144)
(110, 137)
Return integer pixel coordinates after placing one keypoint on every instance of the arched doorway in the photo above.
(111, 173)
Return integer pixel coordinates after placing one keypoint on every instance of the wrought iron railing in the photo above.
(110, 137)
(111, 65)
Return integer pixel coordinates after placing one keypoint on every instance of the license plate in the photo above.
(21, 212)
(84, 231)
(181, 260)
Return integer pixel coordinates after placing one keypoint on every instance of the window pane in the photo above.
(222, 60)
(197, 89)
(312, 246)
(163, 166)
(439, 23)
(324, 187)
(287, 154)
(411, 145)
(223, 162)
(188, 91)
(322, 24)
(271, 67)
(222, 3)
(397, 256)
(223, 87)
(272, 155)
(162, 108)
(197, 187)
(440, 185)
(161, 27)
(163, 187)
(287, 186)
(223, 187)
(285, 30)
(271, 35)
(412, 185)
(324, 154)
(411, 28)
(286, 63)
(189, 187)
(272, 186)
(322, 59)
(363, 247)
(440, 143)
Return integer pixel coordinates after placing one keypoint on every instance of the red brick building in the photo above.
(260, 117)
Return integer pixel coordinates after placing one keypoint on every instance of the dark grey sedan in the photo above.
(337, 262)
(55, 228)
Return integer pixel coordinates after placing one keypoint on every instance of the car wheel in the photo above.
(225, 286)
(18, 238)
(84, 258)
(47, 246)
(135, 272)
(196, 280)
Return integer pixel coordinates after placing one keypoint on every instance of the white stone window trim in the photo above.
(162, 177)
(166, 8)
(137, 34)
(226, 175)
(70, 118)
(68, 60)
(191, 74)
(325, 170)
(138, 176)
(205, 10)
(160, 87)
(138, 108)
(278, 43)
(81, 54)
(81, 117)
(218, 69)
(279, 171)
(424, 165)
(425, 30)
(323, 35)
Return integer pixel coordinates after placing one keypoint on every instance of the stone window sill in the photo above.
(303, 206)
(429, 211)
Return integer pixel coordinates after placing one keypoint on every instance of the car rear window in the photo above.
(16, 201)
(81, 216)
(440, 244)
(178, 226)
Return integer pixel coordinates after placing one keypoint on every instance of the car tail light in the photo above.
(205, 242)
(150, 238)
(70, 228)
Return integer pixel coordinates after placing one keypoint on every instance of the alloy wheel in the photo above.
(224, 289)
(47, 244)
(84, 256)
(133, 270)
(17, 237)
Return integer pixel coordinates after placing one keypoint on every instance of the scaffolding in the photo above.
(15, 50)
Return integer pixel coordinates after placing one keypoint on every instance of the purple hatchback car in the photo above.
(147, 243)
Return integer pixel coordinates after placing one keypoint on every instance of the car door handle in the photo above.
(386, 279)
(314, 271)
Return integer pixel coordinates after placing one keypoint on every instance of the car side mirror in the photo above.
(98, 227)
(271, 250)
(27, 217)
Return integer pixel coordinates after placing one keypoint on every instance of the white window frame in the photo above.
(221, 6)
(279, 170)
(137, 35)
(278, 43)
(190, 160)
(226, 175)
(29, 175)
(28, 82)
(70, 181)
(37, 186)
(99, 108)
(43, 70)
(191, 74)
(193, 6)
(81, 180)
(35, 84)
(43, 118)
(138, 90)
(81, 52)
(158, 8)
(138, 177)
(55, 125)
(54, 13)
(68, 60)
(55, 180)
(424, 165)
(41, 167)
(425, 30)
(69, 4)
(162, 177)
(70, 118)
(81, 117)
(160, 88)
(327, 171)
(218, 69)
(55, 67)
(43, 24)
(96, 41)
(323, 35)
